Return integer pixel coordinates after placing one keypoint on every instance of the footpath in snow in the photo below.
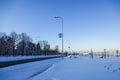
(83, 68)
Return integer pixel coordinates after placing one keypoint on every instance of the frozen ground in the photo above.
(83, 68)
(75, 68)
(26, 71)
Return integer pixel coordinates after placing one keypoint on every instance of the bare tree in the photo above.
(46, 47)
(21, 44)
(57, 49)
(15, 38)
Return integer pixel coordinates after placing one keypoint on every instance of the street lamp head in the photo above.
(57, 17)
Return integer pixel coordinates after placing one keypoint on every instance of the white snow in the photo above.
(26, 71)
(83, 68)
(75, 68)
(13, 58)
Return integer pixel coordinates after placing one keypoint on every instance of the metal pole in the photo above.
(69, 45)
(62, 34)
(62, 38)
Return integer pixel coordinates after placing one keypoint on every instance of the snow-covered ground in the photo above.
(75, 68)
(13, 58)
(26, 71)
(83, 68)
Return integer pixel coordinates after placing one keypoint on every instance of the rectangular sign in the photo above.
(60, 35)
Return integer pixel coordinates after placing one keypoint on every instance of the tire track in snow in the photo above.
(40, 74)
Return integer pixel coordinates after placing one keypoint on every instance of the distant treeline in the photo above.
(21, 44)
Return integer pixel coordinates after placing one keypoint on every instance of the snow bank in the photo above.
(13, 58)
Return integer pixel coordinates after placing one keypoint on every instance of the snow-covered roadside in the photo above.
(13, 58)
(26, 71)
(83, 68)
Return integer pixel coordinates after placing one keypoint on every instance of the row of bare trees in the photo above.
(21, 44)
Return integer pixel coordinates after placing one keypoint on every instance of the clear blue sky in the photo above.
(87, 23)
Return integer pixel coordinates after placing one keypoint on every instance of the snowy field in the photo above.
(83, 68)
(13, 58)
(75, 68)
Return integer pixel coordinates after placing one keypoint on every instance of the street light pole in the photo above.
(62, 33)
(69, 45)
